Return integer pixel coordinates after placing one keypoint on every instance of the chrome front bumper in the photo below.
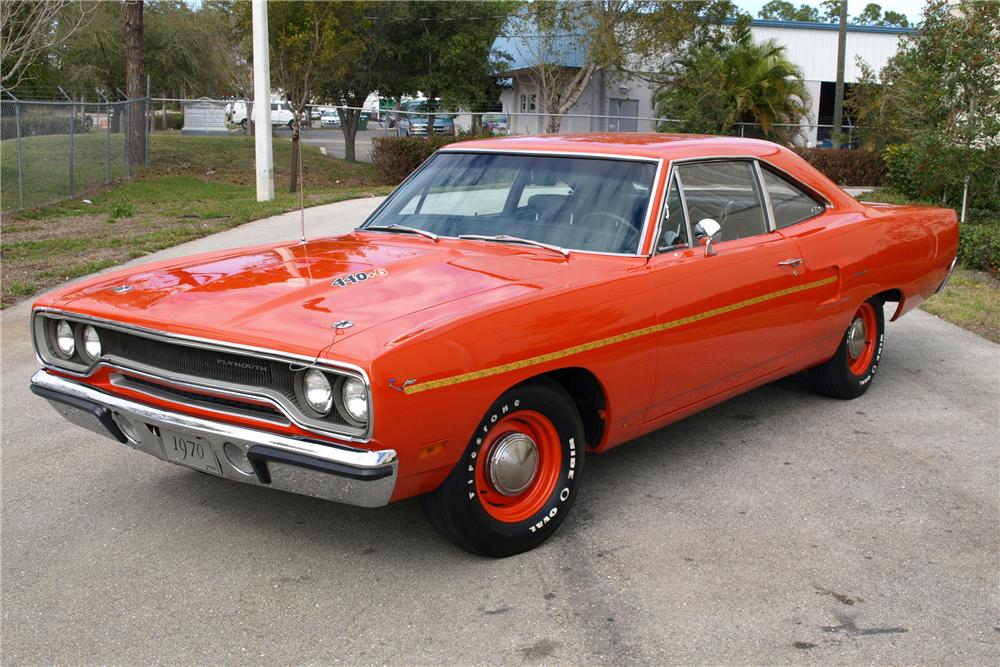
(308, 467)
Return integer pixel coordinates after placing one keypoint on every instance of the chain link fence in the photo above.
(51, 151)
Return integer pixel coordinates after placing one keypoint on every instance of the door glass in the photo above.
(790, 204)
(673, 231)
(727, 193)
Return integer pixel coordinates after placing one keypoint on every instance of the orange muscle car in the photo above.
(515, 306)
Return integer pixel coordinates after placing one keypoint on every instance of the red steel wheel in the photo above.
(861, 339)
(518, 466)
(519, 474)
(851, 369)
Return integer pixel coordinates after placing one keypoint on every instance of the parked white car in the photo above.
(281, 115)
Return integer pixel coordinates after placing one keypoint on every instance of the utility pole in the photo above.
(838, 98)
(262, 103)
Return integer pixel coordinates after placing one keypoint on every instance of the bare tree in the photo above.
(303, 41)
(28, 29)
(135, 80)
(566, 43)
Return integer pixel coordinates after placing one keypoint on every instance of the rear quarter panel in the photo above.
(873, 250)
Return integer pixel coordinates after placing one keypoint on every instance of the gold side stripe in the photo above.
(611, 340)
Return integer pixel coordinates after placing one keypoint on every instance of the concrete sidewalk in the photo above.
(778, 527)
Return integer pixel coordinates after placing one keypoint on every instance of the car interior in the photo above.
(575, 203)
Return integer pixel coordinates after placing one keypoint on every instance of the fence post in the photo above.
(128, 138)
(20, 168)
(164, 111)
(149, 126)
(72, 137)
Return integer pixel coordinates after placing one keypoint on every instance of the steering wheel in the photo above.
(614, 216)
(724, 213)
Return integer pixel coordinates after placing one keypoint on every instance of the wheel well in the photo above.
(588, 396)
(895, 296)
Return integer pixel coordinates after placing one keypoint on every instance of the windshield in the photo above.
(592, 204)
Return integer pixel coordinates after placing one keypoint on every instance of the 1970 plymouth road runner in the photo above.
(514, 307)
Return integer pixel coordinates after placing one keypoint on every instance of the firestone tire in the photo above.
(476, 511)
(851, 369)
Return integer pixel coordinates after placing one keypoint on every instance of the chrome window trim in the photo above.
(809, 192)
(659, 162)
(764, 163)
(759, 164)
(672, 174)
(279, 401)
(765, 196)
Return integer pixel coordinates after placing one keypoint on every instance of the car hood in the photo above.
(288, 296)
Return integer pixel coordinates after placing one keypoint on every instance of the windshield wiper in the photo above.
(506, 238)
(402, 228)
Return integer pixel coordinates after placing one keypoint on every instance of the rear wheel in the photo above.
(518, 477)
(850, 371)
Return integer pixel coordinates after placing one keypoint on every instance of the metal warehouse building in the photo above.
(613, 103)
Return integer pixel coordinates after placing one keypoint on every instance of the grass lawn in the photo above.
(195, 186)
(972, 298)
(972, 301)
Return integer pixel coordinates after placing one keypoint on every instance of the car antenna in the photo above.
(302, 188)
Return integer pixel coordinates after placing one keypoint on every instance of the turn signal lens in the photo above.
(91, 344)
(355, 398)
(65, 343)
(317, 391)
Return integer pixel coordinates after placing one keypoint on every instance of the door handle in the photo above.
(794, 261)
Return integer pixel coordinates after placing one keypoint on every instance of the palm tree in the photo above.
(716, 86)
(766, 88)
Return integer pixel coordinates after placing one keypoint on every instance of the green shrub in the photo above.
(397, 157)
(36, 123)
(175, 120)
(979, 245)
(928, 169)
(847, 166)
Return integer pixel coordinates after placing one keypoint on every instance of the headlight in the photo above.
(65, 343)
(91, 344)
(355, 399)
(317, 391)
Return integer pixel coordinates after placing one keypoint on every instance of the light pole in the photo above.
(838, 98)
(262, 103)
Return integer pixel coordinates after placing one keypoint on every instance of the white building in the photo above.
(610, 103)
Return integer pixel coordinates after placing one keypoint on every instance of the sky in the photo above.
(911, 8)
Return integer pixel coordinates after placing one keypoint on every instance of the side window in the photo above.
(673, 231)
(790, 204)
(727, 193)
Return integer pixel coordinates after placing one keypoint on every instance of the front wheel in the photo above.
(850, 371)
(518, 477)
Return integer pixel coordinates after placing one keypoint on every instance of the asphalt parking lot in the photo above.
(333, 140)
(779, 527)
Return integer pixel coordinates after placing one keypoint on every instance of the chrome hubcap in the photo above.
(513, 464)
(856, 338)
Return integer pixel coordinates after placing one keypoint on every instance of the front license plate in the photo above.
(191, 451)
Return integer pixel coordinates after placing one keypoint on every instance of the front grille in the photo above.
(197, 362)
(239, 371)
(203, 400)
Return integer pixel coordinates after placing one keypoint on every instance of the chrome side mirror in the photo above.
(705, 231)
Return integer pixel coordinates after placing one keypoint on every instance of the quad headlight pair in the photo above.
(348, 394)
(70, 341)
